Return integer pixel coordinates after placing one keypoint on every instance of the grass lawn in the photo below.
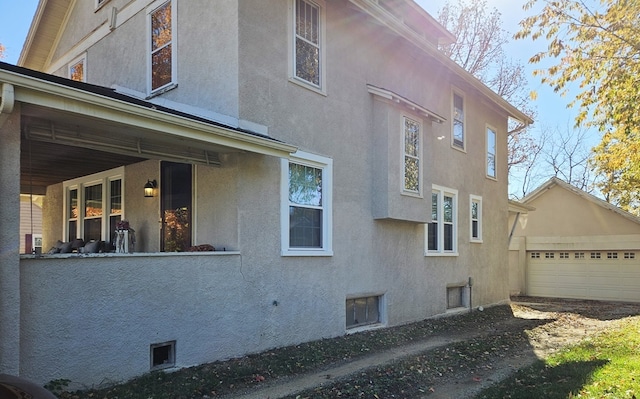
(606, 366)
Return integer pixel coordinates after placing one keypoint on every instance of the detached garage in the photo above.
(574, 245)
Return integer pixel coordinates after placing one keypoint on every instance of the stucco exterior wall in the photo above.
(206, 45)
(560, 212)
(222, 305)
(10, 242)
(340, 126)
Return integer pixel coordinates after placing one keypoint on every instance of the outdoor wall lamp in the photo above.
(149, 186)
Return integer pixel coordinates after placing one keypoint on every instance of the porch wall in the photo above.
(10, 241)
(92, 319)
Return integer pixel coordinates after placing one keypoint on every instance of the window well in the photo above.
(163, 355)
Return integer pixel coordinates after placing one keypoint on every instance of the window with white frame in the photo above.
(441, 233)
(491, 152)
(77, 69)
(458, 121)
(93, 205)
(307, 53)
(162, 39)
(412, 150)
(476, 218)
(306, 213)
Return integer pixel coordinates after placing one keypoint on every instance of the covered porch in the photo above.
(86, 154)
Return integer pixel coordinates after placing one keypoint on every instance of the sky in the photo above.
(16, 16)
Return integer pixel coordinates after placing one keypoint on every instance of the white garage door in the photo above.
(598, 275)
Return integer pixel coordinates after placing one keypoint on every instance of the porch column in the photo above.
(10, 242)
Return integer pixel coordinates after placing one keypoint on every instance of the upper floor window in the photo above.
(162, 31)
(441, 234)
(77, 69)
(476, 218)
(306, 220)
(458, 121)
(308, 34)
(412, 150)
(93, 206)
(491, 153)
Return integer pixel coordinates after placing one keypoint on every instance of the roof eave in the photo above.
(36, 91)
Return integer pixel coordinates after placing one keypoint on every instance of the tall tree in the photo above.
(478, 49)
(594, 47)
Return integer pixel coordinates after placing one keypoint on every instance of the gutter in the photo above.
(7, 102)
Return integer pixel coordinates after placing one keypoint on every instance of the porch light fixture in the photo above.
(149, 186)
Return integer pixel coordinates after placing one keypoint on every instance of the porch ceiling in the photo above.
(58, 146)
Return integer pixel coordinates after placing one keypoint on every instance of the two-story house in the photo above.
(334, 171)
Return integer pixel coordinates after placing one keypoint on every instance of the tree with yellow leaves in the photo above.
(596, 47)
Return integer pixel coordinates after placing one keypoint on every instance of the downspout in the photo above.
(7, 102)
(513, 228)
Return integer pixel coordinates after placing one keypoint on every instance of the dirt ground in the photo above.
(538, 327)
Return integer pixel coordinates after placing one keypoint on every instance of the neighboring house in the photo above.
(347, 173)
(574, 245)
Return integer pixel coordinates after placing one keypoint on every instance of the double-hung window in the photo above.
(476, 218)
(306, 220)
(93, 205)
(412, 155)
(441, 234)
(491, 153)
(458, 121)
(307, 64)
(162, 45)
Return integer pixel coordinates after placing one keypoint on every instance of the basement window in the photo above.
(456, 296)
(363, 311)
(163, 355)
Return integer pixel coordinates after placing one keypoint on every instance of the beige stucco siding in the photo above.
(560, 212)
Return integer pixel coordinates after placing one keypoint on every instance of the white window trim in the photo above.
(99, 5)
(76, 61)
(322, 88)
(459, 93)
(441, 191)
(403, 189)
(174, 47)
(495, 155)
(478, 199)
(315, 161)
(79, 183)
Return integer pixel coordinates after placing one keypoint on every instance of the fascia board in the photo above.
(51, 95)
